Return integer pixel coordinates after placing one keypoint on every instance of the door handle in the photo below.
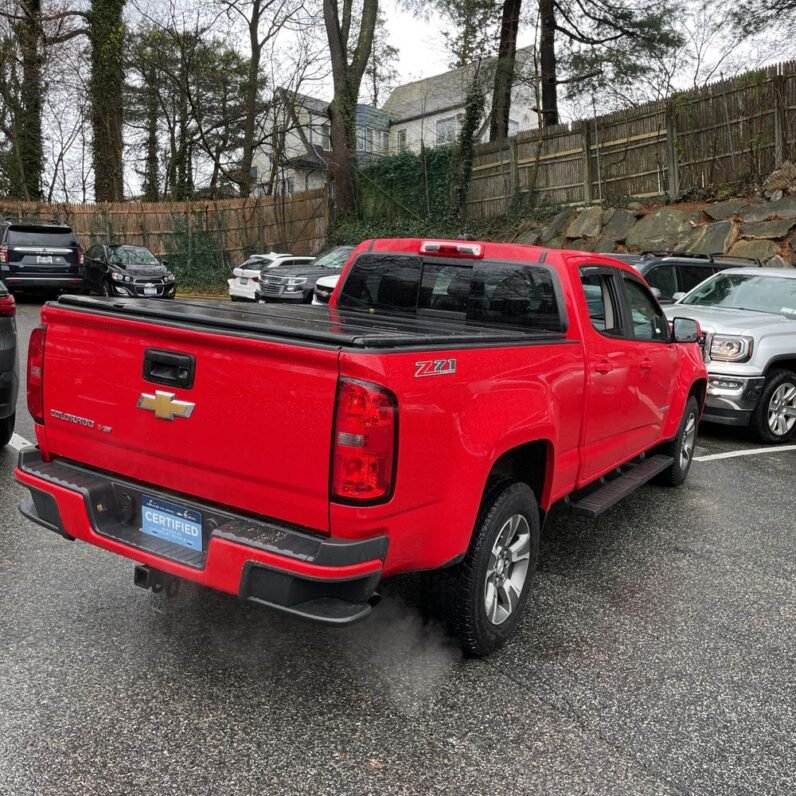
(646, 364)
(603, 367)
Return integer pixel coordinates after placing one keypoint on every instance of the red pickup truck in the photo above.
(426, 420)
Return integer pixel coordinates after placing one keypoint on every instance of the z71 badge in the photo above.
(435, 367)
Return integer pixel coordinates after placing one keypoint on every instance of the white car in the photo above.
(324, 288)
(246, 276)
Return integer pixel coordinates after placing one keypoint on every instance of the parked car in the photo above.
(9, 365)
(246, 276)
(39, 256)
(749, 318)
(672, 275)
(453, 393)
(297, 283)
(324, 288)
(123, 270)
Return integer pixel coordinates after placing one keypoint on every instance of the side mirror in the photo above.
(678, 295)
(164, 262)
(657, 293)
(686, 330)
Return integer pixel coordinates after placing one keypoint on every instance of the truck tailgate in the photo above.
(257, 438)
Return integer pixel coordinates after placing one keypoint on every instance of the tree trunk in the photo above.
(504, 71)
(250, 106)
(343, 159)
(106, 87)
(547, 58)
(151, 191)
(347, 72)
(31, 157)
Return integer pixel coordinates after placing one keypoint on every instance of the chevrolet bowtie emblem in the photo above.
(164, 406)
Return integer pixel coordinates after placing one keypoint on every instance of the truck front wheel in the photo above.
(774, 420)
(482, 598)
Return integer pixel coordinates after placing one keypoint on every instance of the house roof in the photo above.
(439, 93)
(312, 104)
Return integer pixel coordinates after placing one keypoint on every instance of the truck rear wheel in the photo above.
(482, 599)
(774, 420)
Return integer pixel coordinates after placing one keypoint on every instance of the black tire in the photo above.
(681, 448)
(762, 424)
(459, 595)
(7, 429)
(234, 298)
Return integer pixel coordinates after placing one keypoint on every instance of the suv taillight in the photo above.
(3, 254)
(365, 443)
(80, 255)
(36, 374)
(8, 307)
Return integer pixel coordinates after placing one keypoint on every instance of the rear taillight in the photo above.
(3, 254)
(8, 307)
(80, 255)
(36, 374)
(255, 279)
(365, 443)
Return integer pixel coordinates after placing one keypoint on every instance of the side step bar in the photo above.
(602, 498)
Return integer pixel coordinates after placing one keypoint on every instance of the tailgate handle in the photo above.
(169, 367)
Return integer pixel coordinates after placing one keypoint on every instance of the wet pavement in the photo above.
(658, 656)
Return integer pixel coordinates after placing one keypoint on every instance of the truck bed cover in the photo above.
(320, 325)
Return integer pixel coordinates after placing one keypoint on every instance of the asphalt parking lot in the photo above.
(658, 657)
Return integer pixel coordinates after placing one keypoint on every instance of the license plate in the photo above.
(150, 290)
(244, 280)
(171, 522)
(44, 258)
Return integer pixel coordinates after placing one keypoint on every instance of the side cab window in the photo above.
(647, 320)
(602, 300)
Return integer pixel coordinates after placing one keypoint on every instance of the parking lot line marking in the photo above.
(753, 452)
(18, 443)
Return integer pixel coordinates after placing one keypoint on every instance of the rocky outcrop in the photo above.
(663, 229)
(587, 225)
(781, 181)
(711, 238)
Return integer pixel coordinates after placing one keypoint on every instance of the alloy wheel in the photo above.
(507, 569)
(689, 441)
(782, 409)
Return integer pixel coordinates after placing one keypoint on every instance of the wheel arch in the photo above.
(783, 362)
(530, 463)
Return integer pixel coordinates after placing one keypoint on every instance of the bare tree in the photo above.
(348, 66)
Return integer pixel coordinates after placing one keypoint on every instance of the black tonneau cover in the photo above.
(319, 324)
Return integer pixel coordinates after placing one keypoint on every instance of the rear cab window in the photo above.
(492, 293)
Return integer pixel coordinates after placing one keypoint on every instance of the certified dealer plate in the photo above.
(171, 522)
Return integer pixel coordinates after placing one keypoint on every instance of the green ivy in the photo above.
(407, 186)
(194, 258)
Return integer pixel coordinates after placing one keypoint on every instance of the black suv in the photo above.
(672, 275)
(9, 365)
(39, 256)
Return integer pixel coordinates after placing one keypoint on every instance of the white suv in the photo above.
(246, 276)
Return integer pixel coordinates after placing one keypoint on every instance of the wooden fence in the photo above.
(233, 228)
(726, 133)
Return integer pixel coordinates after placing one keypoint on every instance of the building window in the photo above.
(447, 130)
(514, 127)
(385, 143)
(368, 139)
(401, 140)
(325, 138)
